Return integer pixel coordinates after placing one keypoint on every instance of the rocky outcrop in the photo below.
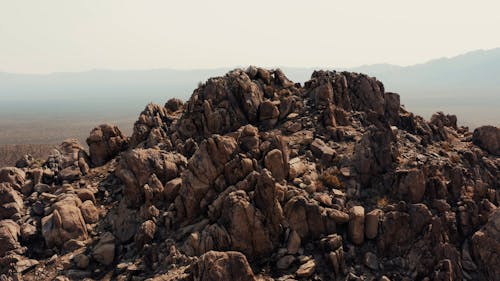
(333, 180)
(105, 142)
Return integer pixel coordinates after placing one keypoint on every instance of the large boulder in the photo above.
(219, 266)
(139, 167)
(9, 234)
(65, 223)
(105, 142)
(12, 175)
(204, 167)
(486, 246)
(11, 202)
(488, 138)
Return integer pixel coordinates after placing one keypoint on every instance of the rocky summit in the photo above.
(256, 177)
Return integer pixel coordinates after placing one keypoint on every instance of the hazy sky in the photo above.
(63, 35)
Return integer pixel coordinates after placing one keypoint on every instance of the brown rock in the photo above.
(294, 241)
(411, 185)
(307, 269)
(486, 246)
(215, 266)
(356, 229)
(12, 175)
(488, 138)
(145, 233)
(89, 212)
(11, 202)
(371, 223)
(138, 166)
(104, 250)
(64, 224)
(105, 142)
(9, 233)
(274, 162)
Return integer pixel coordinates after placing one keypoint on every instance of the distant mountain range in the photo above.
(467, 85)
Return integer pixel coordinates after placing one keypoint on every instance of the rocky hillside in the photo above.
(259, 178)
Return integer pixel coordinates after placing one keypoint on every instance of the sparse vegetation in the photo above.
(9, 154)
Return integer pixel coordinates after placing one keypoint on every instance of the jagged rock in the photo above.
(89, 212)
(274, 161)
(411, 185)
(11, 202)
(245, 226)
(12, 175)
(285, 262)
(204, 167)
(105, 142)
(488, 138)
(371, 223)
(306, 269)
(145, 233)
(356, 230)
(104, 250)
(486, 246)
(214, 266)
(305, 217)
(9, 234)
(137, 166)
(149, 129)
(294, 242)
(65, 223)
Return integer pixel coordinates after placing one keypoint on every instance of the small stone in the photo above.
(307, 269)
(371, 261)
(293, 242)
(285, 262)
(81, 261)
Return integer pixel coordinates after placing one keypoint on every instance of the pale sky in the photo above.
(77, 35)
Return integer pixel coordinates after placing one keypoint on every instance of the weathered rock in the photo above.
(105, 142)
(486, 246)
(12, 175)
(356, 229)
(488, 138)
(411, 185)
(307, 269)
(89, 212)
(371, 223)
(9, 234)
(214, 266)
(245, 226)
(104, 250)
(11, 202)
(204, 167)
(145, 233)
(274, 162)
(138, 166)
(64, 224)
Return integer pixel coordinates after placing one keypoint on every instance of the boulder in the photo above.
(411, 185)
(488, 138)
(486, 246)
(9, 234)
(215, 266)
(104, 250)
(105, 142)
(137, 167)
(356, 227)
(11, 202)
(12, 175)
(65, 223)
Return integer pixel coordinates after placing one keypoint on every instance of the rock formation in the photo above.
(259, 178)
